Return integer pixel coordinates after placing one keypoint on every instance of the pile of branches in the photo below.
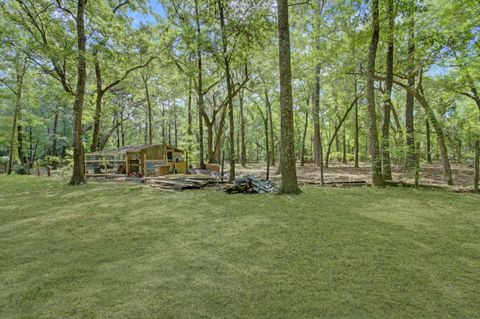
(250, 185)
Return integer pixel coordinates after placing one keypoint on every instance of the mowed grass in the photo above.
(107, 250)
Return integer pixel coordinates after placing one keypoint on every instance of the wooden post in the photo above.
(477, 165)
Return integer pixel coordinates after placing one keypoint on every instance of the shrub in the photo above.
(22, 169)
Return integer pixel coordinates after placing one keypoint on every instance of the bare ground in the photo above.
(430, 174)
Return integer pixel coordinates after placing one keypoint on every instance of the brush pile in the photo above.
(250, 185)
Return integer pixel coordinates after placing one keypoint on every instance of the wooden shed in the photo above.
(140, 160)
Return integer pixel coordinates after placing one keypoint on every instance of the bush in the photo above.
(22, 169)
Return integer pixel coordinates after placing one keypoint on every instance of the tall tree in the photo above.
(377, 178)
(20, 66)
(317, 139)
(200, 101)
(289, 183)
(386, 166)
(228, 77)
(409, 106)
(78, 175)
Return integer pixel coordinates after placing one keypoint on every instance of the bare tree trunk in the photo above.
(226, 59)
(12, 136)
(149, 109)
(442, 147)
(289, 183)
(386, 165)
(429, 144)
(377, 178)
(164, 133)
(30, 147)
(477, 165)
(21, 154)
(169, 133)
(356, 138)
(122, 131)
(189, 108)
(53, 150)
(317, 140)
(200, 103)
(302, 155)
(98, 108)
(270, 128)
(337, 129)
(409, 107)
(117, 129)
(237, 148)
(243, 147)
(175, 129)
(20, 70)
(267, 146)
(344, 142)
(78, 176)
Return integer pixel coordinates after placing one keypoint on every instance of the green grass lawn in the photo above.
(107, 250)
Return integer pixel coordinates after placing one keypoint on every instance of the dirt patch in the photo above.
(431, 174)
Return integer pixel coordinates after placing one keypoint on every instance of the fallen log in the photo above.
(336, 183)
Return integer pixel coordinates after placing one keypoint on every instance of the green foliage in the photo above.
(22, 169)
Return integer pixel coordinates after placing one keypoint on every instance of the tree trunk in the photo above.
(122, 131)
(317, 140)
(78, 176)
(243, 147)
(149, 109)
(377, 178)
(169, 133)
(440, 139)
(98, 108)
(53, 150)
(429, 144)
(337, 128)
(164, 133)
(237, 149)
(270, 128)
(302, 155)
(175, 129)
(30, 147)
(289, 183)
(442, 147)
(200, 103)
(21, 154)
(117, 129)
(226, 60)
(344, 142)
(409, 107)
(386, 165)
(356, 137)
(12, 138)
(189, 107)
(267, 146)
(477, 165)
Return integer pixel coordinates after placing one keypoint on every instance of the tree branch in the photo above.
(111, 85)
(121, 4)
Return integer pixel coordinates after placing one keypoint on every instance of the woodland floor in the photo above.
(113, 250)
(430, 174)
